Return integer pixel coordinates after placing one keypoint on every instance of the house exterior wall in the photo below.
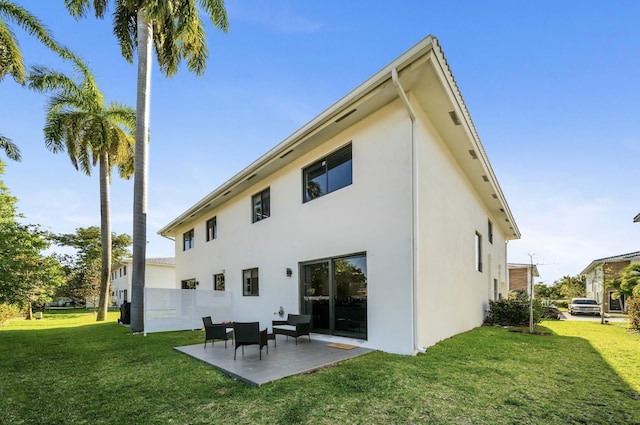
(594, 280)
(156, 276)
(519, 279)
(450, 213)
(372, 216)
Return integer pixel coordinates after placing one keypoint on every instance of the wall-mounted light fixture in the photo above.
(197, 283)
(289, 272)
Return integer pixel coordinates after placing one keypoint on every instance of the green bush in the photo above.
(562, 303)
(633, 309)
(8, 311)
(513, 312)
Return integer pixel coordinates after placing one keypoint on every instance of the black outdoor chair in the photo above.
(249, 333)
(216, 331)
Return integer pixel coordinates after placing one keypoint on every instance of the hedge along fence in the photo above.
(633, 309)
(513, 312)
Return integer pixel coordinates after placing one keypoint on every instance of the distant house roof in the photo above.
(524, 266)
(422, 69)
(636, 219)
(614, 259)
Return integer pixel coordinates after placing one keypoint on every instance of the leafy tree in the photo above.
(83, 268)
(11, 60)
(79, 122)
(572, 286)
(26, 275)
(176, 31)
(548, 292)
(627, 283)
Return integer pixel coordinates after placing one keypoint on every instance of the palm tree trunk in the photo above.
(105, 238)
(140, 174)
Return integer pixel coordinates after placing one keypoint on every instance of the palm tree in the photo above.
(79, 122)
(11, 62)
(176, 31)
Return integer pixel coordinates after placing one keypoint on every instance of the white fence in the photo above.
(183, 309)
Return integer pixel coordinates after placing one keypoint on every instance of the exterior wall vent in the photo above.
(454, 118)
(346, 115)
(485, 178)
(286, 153)
(473, 154)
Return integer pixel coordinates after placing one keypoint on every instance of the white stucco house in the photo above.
(160, 272)
(381, 218)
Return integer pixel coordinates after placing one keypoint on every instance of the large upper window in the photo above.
(250, 282)
(212, 229)
(188, 240)
(261, 205)
(328, 174)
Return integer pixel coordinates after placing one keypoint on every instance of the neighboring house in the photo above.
(381, 218)
(521, 277)
(159, 273)
(636, 219)
(612, 267)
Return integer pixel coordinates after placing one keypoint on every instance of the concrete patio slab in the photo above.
(287, 359)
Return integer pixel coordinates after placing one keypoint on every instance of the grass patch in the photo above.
(67, 368)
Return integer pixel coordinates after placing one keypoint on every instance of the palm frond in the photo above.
(11, 61)
(10, 149)
(125, 29)
(217, 13)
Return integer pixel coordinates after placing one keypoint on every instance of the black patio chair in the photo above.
(295, 326)
(216, 331)
(249, 333)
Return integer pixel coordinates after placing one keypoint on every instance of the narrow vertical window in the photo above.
(478, 252)
(250, 282)
(212, 229)
(187, 240)
(261, 205)
(124, 271)
(490, 231)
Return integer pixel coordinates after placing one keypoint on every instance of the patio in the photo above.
(287, 359)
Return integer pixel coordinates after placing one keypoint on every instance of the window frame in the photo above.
(248, 289)
(191, 239)
(325, 164)
(189, 284)
(211, 231)
(255, 217)
(218, 286)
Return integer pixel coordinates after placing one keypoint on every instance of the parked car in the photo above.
(584, 306)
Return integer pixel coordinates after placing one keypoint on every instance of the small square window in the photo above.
(261, 205)
(189, 284)
(250, 282)
(188, 240)
(212, 229)
(218, 282)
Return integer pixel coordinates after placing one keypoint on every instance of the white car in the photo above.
(584, 306)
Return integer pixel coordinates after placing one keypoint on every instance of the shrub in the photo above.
(562, 303)
(513, 312)
(633, 309)
(8, 311)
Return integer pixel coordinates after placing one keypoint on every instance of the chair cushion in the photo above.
(285, 327)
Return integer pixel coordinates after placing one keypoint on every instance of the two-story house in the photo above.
(381, 218)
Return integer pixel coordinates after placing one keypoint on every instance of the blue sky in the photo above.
(552, 88)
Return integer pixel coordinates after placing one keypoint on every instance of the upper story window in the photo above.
(490, 231)
(188, 241)
(478, 242)
(328, 174)
(250, 282)
(212, 229)
(124, 271)
(261, 205)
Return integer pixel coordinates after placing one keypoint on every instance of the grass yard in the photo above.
(67, 369)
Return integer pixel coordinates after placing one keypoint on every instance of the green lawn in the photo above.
(66, 369)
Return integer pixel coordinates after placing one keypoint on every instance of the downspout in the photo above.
(414, 213)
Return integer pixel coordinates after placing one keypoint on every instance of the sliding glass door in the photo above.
(334, 293)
